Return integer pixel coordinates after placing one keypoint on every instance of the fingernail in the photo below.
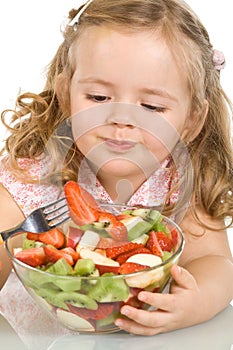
(118, 323)
(142, 296)
(125, 311)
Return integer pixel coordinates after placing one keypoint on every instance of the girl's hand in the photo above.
(179, 309)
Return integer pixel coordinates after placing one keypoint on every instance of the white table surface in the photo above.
(216, 334)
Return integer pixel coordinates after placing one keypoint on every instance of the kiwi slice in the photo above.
(68, 284)
(84, 267)
(139, 229)
(60, 267)
(51, 296)
(108, 289)
(78, 299)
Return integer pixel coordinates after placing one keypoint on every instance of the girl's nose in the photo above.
(122, 115)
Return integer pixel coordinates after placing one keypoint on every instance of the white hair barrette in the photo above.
(75, 20)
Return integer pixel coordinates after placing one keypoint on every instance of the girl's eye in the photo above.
(98, 98)
(153, 108)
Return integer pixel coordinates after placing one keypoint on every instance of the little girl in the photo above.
(133, 109)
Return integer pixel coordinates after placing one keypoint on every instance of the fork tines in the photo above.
(57, 212)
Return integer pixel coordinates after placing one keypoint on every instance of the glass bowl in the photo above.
(87, 296)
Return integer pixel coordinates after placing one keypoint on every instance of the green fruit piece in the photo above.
(28, 243)
(98, 225)
(155, 216)
(84, 267)
(147, 214)
(127, 212)
(141, 239)
(87, 227)
(160, 227)
(60, 267)
(142, 212)
(51, 296)
(139, 229)
(108, 289)
(78, 299)
(68, 284)
(109, 320)
(38, 279)
(166, 255)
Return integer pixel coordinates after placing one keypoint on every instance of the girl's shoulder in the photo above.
(28, 195)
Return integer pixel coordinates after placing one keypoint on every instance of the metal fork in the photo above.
(42, 219)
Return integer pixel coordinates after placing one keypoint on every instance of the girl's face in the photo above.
(143, 99)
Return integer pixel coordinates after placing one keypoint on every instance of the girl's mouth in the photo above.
(119, 145)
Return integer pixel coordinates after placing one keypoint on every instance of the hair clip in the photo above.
(219, 60)
(75, 20)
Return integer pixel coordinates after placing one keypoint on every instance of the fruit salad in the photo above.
(86, 270)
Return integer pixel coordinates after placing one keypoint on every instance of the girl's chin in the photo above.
(121, 168)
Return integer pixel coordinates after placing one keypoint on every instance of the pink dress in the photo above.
(16, 305)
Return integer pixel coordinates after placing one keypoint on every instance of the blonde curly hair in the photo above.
(38, 124)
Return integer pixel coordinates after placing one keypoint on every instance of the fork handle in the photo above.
(6, 234)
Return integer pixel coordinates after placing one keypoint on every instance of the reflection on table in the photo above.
(216, 334)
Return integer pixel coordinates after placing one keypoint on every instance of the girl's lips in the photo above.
(119, 145)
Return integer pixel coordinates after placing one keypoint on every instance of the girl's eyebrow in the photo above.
(93, 80)
(149, 91)
(159, 92)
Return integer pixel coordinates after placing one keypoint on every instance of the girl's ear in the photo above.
(62, 92)
(195, 123)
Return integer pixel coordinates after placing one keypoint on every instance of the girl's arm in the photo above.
(201, 287)
(10, 215)
(208, 258)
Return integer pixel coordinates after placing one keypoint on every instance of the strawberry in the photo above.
(124, 256)
(54, 237)
(32, 236)
(82, 205)
(130, 267)
(75, 255)
(54, 254)
(113, 252)
(104, 310)
(174, 236)
(73, 236)
(115, 228)
(107, 242)
(32, 256)
(153, 245)
(164, 241)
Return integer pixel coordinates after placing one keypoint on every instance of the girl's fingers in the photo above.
(161, 319)
(161, 301)
(150, 319)
(132, 326)
(183, 278)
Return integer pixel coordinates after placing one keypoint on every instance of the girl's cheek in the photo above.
(155, 146)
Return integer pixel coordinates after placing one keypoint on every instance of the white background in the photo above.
(30, 35)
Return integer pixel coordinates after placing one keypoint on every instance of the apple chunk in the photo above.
(102, 263)
(74, 322)
(89, 239)
(145, 279)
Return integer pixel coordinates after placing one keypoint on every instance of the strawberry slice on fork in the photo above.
(82, 205)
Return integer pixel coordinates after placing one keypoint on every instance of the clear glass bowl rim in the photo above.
(164, 263)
